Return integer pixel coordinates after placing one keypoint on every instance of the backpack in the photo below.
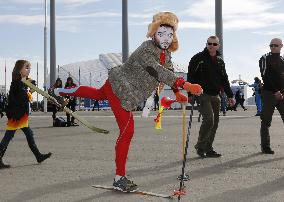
(59, 122)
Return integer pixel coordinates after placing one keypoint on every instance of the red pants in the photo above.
(123, 118)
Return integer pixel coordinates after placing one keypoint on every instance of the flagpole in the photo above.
(37, 84)
(90, 86)
(5, 79)
(79, 85)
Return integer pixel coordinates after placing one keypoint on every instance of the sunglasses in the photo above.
(274, 45)
(210, 44)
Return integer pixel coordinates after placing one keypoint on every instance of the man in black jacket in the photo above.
(272, 71)
(207, 69)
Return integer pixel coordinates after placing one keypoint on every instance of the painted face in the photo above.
(25, 71)
(164, 36)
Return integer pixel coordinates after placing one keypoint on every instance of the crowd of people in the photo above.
(3, 103)
(148, 68)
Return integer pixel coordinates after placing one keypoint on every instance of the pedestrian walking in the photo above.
(18, 112)
(239, 98)
(272, 72)
(156, 100)
(223, 98)
(257, 86)
(207, 68)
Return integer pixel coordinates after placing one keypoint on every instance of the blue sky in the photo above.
(86, 28)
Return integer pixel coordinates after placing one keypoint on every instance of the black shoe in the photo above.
(74, 124)
(267, 150)
(43, 157)
(212, 154)
(200, 153)
(124, 185)
(257, 114)
(3, 166)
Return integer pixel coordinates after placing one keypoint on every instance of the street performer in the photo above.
(133, 82)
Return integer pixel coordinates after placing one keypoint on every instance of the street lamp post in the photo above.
(52, 43)
(5, 79)
(219, 24)
(125, 47)
(45, 57)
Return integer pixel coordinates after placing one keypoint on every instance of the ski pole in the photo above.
(184, 177)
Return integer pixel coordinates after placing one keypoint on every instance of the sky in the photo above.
(87, 28)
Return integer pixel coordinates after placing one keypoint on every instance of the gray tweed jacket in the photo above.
(135, 80)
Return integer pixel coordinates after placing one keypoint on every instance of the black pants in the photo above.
(209, 109)
(241, 102)
(9, 134)
(71, 106)
(156, 105)
(54, 111)
(269, 104)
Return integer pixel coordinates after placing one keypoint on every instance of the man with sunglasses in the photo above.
(207, 69)
(272, 71)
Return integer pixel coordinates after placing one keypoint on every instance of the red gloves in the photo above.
(192, 88)
(180, 97)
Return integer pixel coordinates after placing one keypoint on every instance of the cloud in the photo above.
(22, 19)
(70, 22)
(237, 15)
(198, 25)
(269, 33)
(68, 2)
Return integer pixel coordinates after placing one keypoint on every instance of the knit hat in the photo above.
(164, 18)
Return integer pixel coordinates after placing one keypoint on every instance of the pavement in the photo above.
(82, 158)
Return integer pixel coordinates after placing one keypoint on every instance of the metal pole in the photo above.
(90, 86)
(5, 79)
(52, 43)
(125, 47)
(79, 85)
(37, 84)
(45, 57)
(58, 71)
(79, 76)
(219, 24)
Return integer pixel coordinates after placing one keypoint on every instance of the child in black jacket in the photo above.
(18, 111)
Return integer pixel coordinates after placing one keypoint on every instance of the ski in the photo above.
(65, 109)
(135, 192)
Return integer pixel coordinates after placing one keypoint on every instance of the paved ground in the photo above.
(82, 158)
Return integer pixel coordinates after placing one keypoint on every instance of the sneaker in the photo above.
(200, 153)
(213, 154)
(124, 185)
(267, 150)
